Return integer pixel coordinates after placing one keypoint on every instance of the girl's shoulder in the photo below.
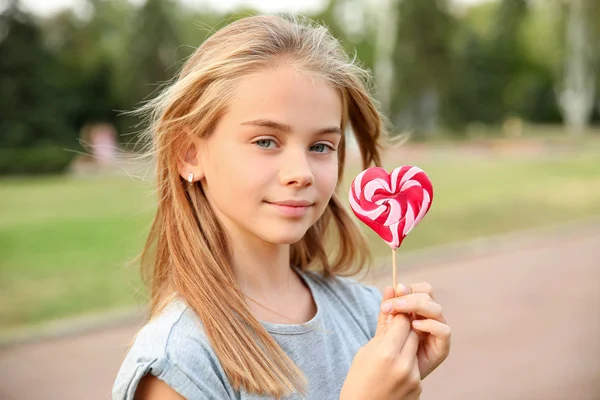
(173, 347)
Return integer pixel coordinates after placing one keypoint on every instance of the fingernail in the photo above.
(399, 303)
(417, 322)
(387, 307)
(402, 289)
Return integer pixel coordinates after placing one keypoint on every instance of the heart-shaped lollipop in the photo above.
(391, 204)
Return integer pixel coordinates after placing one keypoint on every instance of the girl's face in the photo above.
(271, 165)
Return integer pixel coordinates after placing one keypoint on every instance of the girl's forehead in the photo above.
(285, 92)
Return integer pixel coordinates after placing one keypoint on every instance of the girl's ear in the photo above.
(190, 162)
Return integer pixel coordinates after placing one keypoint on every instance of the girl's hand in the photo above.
(386, 367)
(435, 334)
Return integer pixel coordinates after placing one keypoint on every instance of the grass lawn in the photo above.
(64, 241)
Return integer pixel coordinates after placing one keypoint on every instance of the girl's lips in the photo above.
(292, 203)
(292, 208)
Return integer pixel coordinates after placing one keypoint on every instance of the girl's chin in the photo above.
(285, 240)
(283, 236)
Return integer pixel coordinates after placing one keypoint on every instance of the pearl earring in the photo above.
(191, 177)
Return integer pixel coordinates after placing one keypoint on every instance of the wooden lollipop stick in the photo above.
(394, 277)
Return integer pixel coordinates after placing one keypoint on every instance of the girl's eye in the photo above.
(321, 148)
(265, 143)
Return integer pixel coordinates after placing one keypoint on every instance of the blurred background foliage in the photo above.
(448, 67)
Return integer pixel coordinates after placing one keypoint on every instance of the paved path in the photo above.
(525, 325)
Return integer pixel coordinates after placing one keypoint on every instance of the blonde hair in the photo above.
(187, 251)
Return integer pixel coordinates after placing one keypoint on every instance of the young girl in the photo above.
(249, 144)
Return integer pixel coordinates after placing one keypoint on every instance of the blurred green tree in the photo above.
(495, 76)
(38, 100)
(152, 48)
(91, 49)
(37, 97)
(422, 62)
(354, 24)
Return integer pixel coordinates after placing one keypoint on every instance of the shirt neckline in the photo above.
(296, 329)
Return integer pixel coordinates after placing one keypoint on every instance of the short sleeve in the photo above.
(131, 374)
(173, 349)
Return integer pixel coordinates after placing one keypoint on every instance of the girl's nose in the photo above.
(296, 170)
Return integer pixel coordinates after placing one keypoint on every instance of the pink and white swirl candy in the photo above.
(391, 204)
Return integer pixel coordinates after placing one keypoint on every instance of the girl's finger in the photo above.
(438, 329)
(403, 290)
(423, 296)
(396, 332)
(421, 287)
(418, 303)
(411, 345)
(382, 320)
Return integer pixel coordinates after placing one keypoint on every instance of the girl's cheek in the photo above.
(328, 178)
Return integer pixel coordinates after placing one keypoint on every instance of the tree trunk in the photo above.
(576, 99)
(384, 52)
(429, 104)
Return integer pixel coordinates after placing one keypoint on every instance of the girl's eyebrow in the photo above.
(265, 123)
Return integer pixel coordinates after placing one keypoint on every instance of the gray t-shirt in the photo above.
(174, 347)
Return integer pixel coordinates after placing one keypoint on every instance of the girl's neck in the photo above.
(273, 291)
(261, 267)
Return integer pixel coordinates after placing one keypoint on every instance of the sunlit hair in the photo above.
(187, 252)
